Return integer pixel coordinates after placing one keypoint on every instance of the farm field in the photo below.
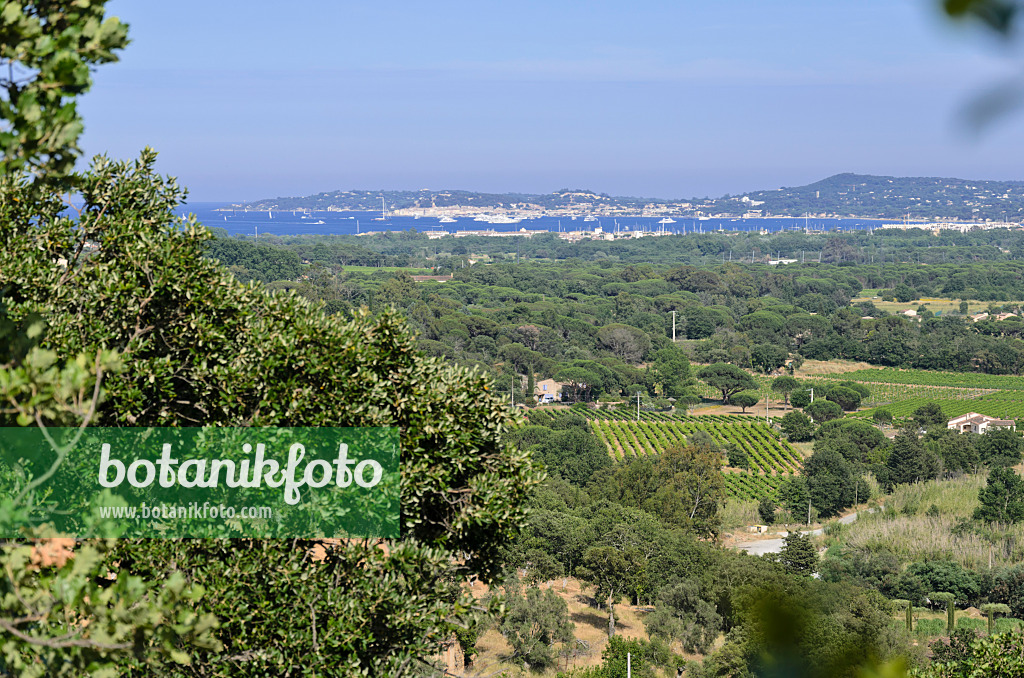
(975, 380)
(1002, 404)
(389, 269)
(934, 304)
(751, 486)
(766, 452)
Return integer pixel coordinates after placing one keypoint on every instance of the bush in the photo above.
(797, 426)
(824, 410)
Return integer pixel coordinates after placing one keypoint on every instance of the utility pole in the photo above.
(638, 405)
(673, 327)
(812, 394)
(808, 510)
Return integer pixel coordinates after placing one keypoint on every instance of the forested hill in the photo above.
(853, 195)
(866, 195)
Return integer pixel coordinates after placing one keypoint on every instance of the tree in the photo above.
(797, 426)
(929, 414)
(768, 357)
(785, 385)
(737, 457)
(672, 369)
(823, 410)
(1000, 447)
(533, 623)
(855, 439)
(691, 490)
(581, 384)
(198, 347)
(949, 600)
(908, 460)
(1002, 498)
(846, 398)
(51, 48)
(832, 481)
(745, 399)
(683, 614)
(798, 554)
(574, 453)
(800, 397)
(608, 570)
(766, 510)
(727, 378)
(627, 343)
(882, 417)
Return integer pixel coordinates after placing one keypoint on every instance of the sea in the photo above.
(288, 223)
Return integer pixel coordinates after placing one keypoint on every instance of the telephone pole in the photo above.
(673, 327)
(638, 405)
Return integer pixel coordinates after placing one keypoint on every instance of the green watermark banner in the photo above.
(200, 482)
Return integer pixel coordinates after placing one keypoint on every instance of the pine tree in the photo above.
(1002, 498)
(798, 554)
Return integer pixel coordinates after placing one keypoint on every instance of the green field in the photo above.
(388, 269)
(1002, 404)
(976, 380)
(767, 453)
(751, 486)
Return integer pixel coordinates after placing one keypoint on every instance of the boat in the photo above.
(446, 220)
(667, 220)
(321, 221)
(383, 211)
(590, 217)
(502, 219)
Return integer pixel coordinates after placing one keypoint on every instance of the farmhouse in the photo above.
(548, 390)
(972, 422)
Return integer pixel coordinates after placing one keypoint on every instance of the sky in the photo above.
(670, 99)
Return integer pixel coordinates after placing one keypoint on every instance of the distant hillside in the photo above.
(845, 195)
(865, 195)
(371, 200)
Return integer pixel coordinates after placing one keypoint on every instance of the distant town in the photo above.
(914, 202)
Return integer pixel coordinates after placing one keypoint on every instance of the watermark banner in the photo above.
(200, 482)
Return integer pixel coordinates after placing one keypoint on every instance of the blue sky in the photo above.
(668, 99)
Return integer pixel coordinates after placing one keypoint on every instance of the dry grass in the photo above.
(933, 303)
(739, 514)
(906, 529)
(818, 368)
(805, 449)
(591, 628)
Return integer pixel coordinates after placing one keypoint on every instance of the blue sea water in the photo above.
(238, 222)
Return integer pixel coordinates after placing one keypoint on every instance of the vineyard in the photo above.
(627, 414)
(747, 486)
(971, 380)
(1002, 404)
(767, 453)
(882, 393)
(771, 459)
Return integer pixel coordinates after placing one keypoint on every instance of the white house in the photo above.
(972, 422)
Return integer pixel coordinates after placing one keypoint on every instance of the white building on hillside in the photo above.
(972, 422)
